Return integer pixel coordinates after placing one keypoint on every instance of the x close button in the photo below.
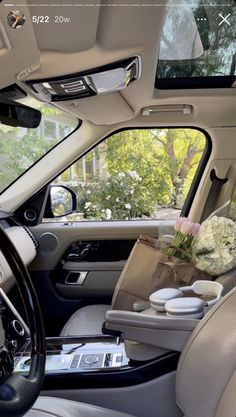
(224, 19)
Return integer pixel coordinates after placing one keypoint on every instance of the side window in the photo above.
(135, 174)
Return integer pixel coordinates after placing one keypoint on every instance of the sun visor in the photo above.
(102, 110)
(19, 53)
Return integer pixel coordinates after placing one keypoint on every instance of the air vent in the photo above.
(12, 92)
(31, 237)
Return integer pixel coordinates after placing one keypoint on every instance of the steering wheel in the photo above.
(17, 392)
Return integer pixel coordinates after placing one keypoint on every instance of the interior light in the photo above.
(113, 77)
(108, 81)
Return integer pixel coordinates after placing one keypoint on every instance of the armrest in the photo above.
(151, 328)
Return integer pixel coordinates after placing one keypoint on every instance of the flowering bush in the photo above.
(121, 196)
(214, 248)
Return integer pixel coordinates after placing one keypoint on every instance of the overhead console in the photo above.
(106, 79)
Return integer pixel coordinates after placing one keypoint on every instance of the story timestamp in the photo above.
(37, 19)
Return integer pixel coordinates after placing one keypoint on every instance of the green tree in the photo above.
(143, 169)
(21, 148)
(166, 159)
(218, 41)
(181, 153)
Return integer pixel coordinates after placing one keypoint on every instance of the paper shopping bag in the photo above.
(148, 269)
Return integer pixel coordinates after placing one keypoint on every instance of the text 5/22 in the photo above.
(46, 19)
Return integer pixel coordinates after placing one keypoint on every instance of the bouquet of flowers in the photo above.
(185, 232)
(211, 245)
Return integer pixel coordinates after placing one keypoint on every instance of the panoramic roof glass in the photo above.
(198, 42)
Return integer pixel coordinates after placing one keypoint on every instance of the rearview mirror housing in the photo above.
(18, 115)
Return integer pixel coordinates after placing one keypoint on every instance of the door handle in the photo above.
(77, 256)
(76, 277)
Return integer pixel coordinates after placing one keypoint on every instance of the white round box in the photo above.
(187, 307)
(159, 298)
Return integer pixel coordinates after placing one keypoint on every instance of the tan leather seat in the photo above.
(89, 320)
(56, 407)
(206, 374)
(86, 321)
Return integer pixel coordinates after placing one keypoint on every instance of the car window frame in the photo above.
(196, 179)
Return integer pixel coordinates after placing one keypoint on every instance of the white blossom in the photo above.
(134, 175)
(121, 174)
(128, 206)
(214, 248)
(108, 214)
(87, 205)
(117, 199)
(88, 192)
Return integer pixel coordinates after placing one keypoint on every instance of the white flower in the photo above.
(132, 191)
(162, 134)
(214, 248)
(134, 175)
(128, 206)
(121, 174)
(87, 205)
(108, 197)
(88, 192)
(108, 214)
(117, 199)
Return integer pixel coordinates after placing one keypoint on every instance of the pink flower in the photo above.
(179, 222)
(195, 229)
(186, 227)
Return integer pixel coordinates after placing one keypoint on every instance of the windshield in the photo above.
(20, 148)
(198, 40)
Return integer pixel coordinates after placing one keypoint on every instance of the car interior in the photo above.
(116, 118)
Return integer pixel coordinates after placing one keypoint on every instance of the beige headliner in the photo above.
(97, 36)
(100, 35)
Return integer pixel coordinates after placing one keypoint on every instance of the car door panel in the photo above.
(86, 259)
(97, 278)
(65, 234)
(109, 245)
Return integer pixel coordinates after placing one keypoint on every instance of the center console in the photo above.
(79, 362)
(69, 355)
(93, 362)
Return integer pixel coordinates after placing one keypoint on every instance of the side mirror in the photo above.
(61, 201)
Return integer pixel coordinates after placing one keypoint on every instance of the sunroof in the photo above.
(198, 45)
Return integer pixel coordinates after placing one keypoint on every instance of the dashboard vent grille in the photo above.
(31, 236)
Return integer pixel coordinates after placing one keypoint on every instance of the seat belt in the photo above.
(213, 195)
